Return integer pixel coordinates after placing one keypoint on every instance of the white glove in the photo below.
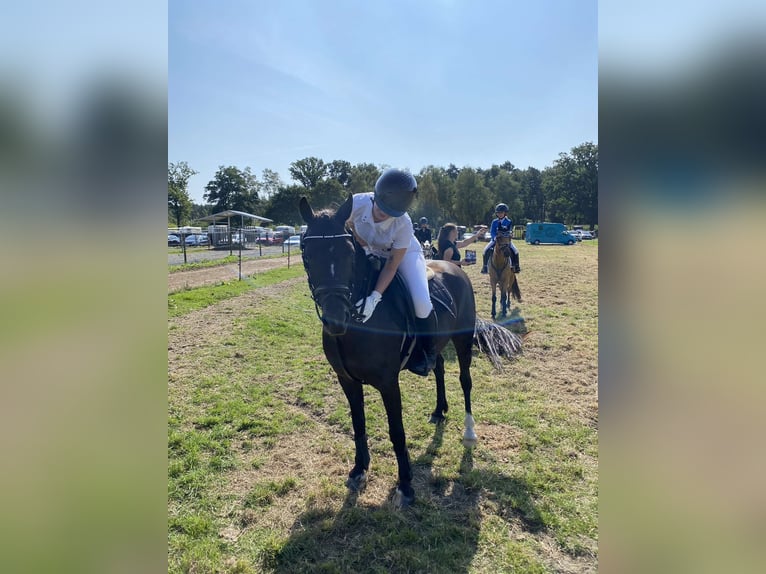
(369, 305)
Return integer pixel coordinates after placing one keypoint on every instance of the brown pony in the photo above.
(501, 272)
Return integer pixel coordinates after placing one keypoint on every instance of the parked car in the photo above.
(196, 240)
(576, 233)
(293, 241)
(173, 240)
(270, 238)
(586, 235)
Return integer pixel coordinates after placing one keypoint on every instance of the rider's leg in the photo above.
(487, 251)
(515, 258)
(413, 272)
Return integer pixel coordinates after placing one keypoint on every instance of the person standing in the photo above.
(382, 226)
(448, 244)
(504, 225)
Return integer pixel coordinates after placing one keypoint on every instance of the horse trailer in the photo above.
(538, 233)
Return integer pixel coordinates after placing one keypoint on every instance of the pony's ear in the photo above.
(306, 212)
(344, 211)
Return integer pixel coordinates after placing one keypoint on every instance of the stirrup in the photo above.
(423, 368)
(516, 269)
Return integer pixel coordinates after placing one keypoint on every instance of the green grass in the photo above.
(259, 443)
(217, 262)
(188, 300)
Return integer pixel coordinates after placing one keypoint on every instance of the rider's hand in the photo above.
(369, 305)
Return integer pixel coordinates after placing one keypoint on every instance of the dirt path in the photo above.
(211, 275)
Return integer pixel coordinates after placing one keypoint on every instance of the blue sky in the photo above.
(406, 84)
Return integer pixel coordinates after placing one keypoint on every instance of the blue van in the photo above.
(538, 233)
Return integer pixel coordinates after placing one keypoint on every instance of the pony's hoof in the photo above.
(402, 500)
(469, 438)
(357, 483)
(437, 419)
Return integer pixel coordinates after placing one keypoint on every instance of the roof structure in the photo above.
(231, 213)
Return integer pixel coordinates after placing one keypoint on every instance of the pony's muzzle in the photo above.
(336, 313)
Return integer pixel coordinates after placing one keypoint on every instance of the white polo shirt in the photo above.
(381, 237)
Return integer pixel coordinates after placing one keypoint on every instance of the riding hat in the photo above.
(501, 207)
(423, 221)
(394, 192)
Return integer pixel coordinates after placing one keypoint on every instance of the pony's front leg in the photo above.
(392, 400)
(357, 477)
(504, 303)
(441, 395)
(494, 300)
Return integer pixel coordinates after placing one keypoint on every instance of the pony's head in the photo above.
(503, 243)
(328, 256)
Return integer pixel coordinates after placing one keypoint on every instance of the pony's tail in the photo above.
(496, 341)
(515, 291)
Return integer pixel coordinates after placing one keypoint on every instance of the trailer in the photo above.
(545, 232)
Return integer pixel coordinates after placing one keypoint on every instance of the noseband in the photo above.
(324, 292)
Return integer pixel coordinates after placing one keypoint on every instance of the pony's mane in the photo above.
(326, 213)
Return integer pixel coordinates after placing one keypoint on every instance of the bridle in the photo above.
(504, 247)
(322, 293)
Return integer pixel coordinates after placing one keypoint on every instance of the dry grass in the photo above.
(270, 497)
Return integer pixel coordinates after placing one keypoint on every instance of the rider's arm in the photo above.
(389, 269)
(493, 229)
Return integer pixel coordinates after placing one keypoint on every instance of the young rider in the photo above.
(423, 233)
(502, 223)
(381, 224)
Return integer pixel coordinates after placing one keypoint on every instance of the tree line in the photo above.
(565, 192)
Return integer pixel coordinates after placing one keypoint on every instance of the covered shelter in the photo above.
(227, 215)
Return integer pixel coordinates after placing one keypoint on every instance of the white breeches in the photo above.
(413, 271)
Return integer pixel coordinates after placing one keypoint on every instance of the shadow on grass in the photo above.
(439, 533)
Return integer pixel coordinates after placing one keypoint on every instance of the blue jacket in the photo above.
(504, 223)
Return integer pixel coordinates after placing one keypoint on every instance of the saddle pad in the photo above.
(440, 295)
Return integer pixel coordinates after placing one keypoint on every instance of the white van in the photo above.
(285, 230)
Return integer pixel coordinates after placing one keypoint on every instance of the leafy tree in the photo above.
(308, 171)
(571, 186)
(232, 188)
(340, 171)
(508, 166)
(505, 188)
(283, 206)
(427, 203)
(453, 171)
(532, 195)
(179, 204)
(445, 191)
(200, 210)
(270, 184)
(328, 193)
(471, 197)
(362, 177)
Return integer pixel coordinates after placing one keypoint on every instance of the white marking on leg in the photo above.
(469, 436)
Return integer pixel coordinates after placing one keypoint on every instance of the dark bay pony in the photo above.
(501, 273)
(374, 352)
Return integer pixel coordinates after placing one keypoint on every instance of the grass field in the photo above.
(259, 440)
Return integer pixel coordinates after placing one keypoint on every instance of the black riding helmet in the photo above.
(394, 192)
(423, 221)
(501, 207)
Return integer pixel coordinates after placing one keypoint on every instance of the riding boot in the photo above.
(426, 329)
(486, 261)
(515, 261)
